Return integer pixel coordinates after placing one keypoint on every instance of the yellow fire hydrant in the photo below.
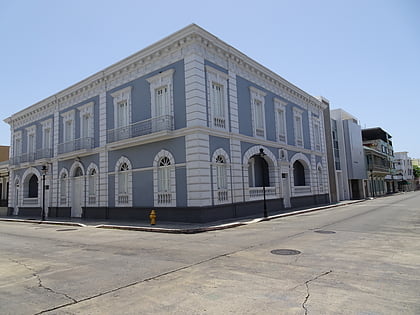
(152, 217)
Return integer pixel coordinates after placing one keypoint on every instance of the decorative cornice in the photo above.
(186, 36)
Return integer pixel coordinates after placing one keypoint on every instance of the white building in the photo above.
(404, 171)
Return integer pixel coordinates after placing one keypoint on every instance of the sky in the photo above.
(363, 56)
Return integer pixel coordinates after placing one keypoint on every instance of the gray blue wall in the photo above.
(141, 98)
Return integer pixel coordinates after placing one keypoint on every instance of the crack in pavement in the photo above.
(307, 289)
(40, 284)
(156, 277)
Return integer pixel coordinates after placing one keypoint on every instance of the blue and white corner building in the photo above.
(178, 127)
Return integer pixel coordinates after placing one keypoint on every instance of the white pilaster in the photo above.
(102, 118)
(198, 170)
(236, 171)
(54, 184)
(56, 127)
(233, 102)
(195, 91)
(103, 179)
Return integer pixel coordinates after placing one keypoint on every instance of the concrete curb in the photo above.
(168, 230)
(44, 222)
(222, 226)
(186, 230)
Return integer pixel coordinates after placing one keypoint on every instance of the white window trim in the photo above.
(118, 97)
(86, 110)
(298, 113)
(280, 106)
(69, 117)
(47, 125)
(316, 135)
(31, 131)
(172, 184)
(301, 190)
(91, 167)
(157, 81)
(221, 196)
(122, 160)
(66, 183)
(17, 150)
(259, 95)
(320, 178)
(219, 78)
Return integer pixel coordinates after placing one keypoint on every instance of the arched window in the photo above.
(299, 174)
(258, 173)
(221, 172)
(63, 189)
(164, 175)
(92, 186)
(123, 183)
(33, 187)
(78, 172)
(164, 183)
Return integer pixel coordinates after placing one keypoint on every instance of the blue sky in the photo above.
(364, 56)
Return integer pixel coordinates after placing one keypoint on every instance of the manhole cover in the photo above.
(285, 252)
(324, 232)
(64, 230)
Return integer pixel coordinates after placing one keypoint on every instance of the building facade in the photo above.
(380, 164)
(4, 179)
(404, 172)
(348, 153)
(189, 126)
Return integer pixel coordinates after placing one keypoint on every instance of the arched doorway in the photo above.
(299, 174)
(258, 172)
(77, 193)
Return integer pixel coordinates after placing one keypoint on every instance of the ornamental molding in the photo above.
(189, 40)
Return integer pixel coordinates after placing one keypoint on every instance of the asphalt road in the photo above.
(367, 261)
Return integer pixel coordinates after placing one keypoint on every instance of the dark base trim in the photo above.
(59, 212)
(201, 214)
(182, 214)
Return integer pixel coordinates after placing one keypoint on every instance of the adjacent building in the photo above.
(379, 155)
(348, 155)
(404, 171)
(189, 126)
(4, 179)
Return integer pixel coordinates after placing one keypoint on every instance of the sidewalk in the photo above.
(171, 227)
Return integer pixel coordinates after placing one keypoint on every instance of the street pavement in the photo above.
(360, 258)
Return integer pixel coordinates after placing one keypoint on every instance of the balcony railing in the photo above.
(32, 156)
(30, 201)
(15, 160)
(27, 157)
(258, 192)
(123, 199)
(75, 145)
(141, 128)
(44, 153)
(164, 198)
(92, 199)
(302, 189)
(222, 195)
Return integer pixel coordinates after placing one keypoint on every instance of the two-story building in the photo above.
(189, 126)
